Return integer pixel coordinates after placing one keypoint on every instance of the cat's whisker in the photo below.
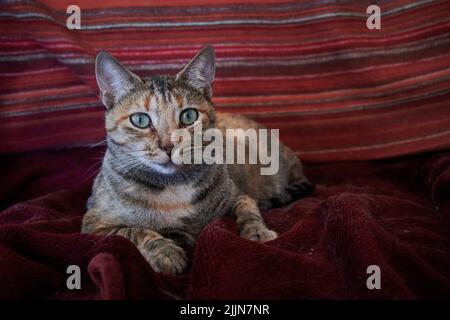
(97, 144)
(127, 163)
(98, 162)
(123, 165)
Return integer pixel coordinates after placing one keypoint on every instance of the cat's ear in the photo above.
(113, 79)
(199, 72)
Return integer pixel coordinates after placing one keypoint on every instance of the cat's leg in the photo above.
(162, 253)
(249, 221)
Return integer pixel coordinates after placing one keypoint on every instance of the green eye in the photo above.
(188, 116)
(140, 120)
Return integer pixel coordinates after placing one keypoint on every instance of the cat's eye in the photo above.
(140, 120)
(188, 116)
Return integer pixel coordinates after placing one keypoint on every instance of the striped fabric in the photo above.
(336, 90)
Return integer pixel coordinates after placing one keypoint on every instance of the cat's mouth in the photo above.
(163, 165)
(169, 164)
(167, 167)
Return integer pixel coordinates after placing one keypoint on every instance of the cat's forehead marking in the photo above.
(179, 100)
(154, 101)
(160, 84)
(162, 88)
(147, 102)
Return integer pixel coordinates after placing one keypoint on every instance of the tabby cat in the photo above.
(140, 194)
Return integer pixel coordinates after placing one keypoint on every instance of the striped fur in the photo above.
(135, 196)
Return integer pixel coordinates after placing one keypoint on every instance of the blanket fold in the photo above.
(389, 213)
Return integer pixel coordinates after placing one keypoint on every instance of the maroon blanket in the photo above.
(388, 213)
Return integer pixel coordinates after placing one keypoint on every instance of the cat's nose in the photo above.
(167, 149)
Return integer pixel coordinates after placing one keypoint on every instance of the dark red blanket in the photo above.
(387, 213)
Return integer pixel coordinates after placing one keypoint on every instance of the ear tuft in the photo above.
(113, 79)
(200, 71)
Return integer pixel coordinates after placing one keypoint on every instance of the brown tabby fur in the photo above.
(160, 211)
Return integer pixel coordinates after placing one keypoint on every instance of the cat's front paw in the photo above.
(165, 256)
(258, 233)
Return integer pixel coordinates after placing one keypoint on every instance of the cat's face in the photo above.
(142, 114)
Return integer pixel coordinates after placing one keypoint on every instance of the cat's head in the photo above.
(142, 113)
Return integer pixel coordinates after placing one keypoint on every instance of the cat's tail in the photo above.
(296, 185)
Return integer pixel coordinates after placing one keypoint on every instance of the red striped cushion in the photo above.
(336, 90)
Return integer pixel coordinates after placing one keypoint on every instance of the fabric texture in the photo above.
(390, 213)
(336, 90)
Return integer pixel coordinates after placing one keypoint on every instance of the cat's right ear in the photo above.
(113, 79)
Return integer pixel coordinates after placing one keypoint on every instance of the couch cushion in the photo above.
(336, 90)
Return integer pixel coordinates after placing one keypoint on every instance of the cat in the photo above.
(140, 194)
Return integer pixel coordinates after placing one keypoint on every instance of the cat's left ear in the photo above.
(200, 71)
(113, 79)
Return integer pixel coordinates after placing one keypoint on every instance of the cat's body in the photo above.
(140, 194)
